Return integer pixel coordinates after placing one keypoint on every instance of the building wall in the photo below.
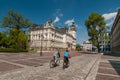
(105, 44)
(50, 38)
(115, 34)
(87, 46)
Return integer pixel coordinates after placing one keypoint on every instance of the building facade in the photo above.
(115, 34)
(48, 37)
(105, 42)
(87, 46)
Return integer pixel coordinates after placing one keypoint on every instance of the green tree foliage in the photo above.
(96, 28)
(15, 21)
(16, 37)
(22, 40)
(13, 35)
(78, 47)
(3, 39)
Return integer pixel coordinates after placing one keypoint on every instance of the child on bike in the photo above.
(56, 55)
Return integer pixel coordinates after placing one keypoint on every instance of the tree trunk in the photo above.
(98, 47)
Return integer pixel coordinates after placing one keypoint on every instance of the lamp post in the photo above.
(41, 49)
(66, 37)
(54, 39)
(41, 41)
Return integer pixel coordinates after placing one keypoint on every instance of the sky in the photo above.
(62, 12)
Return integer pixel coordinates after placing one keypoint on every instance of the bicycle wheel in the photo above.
(52, 64)
(64, 64)
(58, 62)
(68, 63)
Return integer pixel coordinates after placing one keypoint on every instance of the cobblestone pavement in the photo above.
(14, 61)
(82, 67)
(109, 68)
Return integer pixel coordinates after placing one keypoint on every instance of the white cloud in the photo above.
(110, 23)
(109, 16)
(56, 19)
(69, 22)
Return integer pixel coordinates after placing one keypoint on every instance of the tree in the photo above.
(13, 38)
(3, 39)
(96, 28)
(78, 47)
(22, 40)
(15, 21)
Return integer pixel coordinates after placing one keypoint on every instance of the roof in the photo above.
(36, 27)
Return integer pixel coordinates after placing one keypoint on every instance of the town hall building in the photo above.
(49, 37)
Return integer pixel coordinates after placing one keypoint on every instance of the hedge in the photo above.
(12, 50)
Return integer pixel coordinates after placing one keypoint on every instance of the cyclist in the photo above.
(66, 56)
(56, 56)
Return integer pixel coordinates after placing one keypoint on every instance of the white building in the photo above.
(87, 46)
(105, 44)
(48, 37)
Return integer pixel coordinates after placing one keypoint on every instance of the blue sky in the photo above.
(62, 12)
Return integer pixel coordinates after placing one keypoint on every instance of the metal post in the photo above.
(54, 39)
(66, 37)
(41, 49)
(41, 41)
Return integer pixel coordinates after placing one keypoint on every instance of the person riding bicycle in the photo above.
(66, 56)
(56, 56)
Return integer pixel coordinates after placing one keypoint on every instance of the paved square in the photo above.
(106, 77)
(6, 67)
(11, 61)
(109, 68)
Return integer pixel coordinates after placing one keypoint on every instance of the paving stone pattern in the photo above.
(78, 69)
(109, 68)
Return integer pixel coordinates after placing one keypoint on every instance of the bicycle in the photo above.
(65, 63)
(53, 63)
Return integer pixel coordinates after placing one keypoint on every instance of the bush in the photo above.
(12, 50)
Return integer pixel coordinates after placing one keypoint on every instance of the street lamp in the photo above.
(41, 49)
(41, 40)
(54, 39)
(67, 37)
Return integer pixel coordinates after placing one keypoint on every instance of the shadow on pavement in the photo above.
(112, 54)
(116, 65)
